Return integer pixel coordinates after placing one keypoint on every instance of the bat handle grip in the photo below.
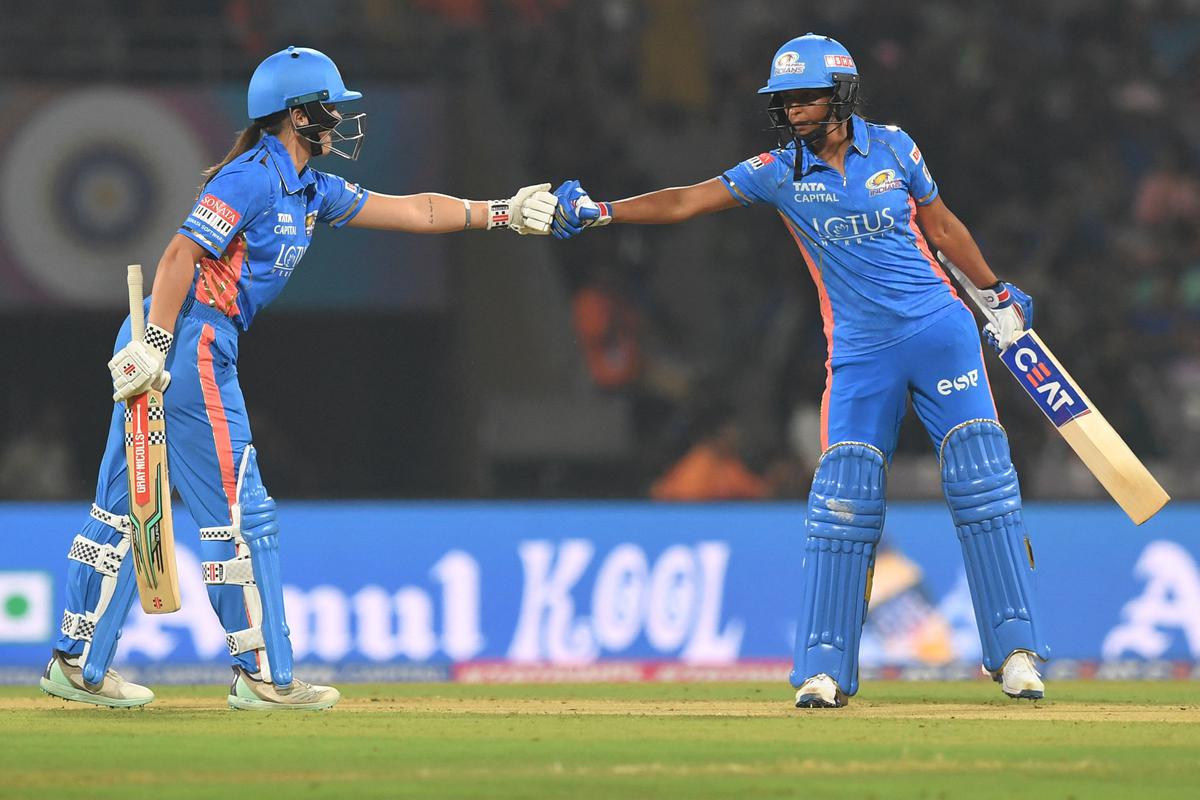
(137, 315)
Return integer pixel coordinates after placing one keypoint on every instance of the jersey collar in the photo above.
(282, 159)
(861, 141)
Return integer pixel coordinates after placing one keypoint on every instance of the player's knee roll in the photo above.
(847, 497)
(978, 476)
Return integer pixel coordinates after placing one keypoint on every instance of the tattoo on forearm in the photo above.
(430, 199)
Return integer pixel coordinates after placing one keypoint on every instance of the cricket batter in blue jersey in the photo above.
(252, 222)
(862, 206)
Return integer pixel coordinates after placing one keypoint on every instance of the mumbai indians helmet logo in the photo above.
(789, 63)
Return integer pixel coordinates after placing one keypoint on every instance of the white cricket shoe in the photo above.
(64, 678)
(1019, 677)
(249, 693)
(820, 691)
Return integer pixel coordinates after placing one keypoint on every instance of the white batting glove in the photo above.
(529, 211)
(138, 366)
(1012, 314)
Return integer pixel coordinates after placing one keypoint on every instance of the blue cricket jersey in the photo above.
(256, 218)
(877, 280)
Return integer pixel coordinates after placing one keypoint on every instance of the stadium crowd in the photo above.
(1066, 134)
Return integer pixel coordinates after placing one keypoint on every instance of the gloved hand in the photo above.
(138, 366)
(530, 210)
(576, 211)
(1012, 310)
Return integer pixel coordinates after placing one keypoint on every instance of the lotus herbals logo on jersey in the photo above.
(854, 228)
(883, 181)
(789, 63)
(26, 612)
(1043, 381)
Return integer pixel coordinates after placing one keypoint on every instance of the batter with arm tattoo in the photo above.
(252, 222)
(860, 203)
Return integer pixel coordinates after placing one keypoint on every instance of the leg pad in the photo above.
(845, 521)
(984, 496)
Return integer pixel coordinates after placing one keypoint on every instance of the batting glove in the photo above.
(138, 366)
(1012, 311)
(528, 211)
(576, 211)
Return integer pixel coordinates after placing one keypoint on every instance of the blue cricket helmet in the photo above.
(811, 61)
(294, 77)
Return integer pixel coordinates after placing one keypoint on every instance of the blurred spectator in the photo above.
(38, 461)
(713, 468)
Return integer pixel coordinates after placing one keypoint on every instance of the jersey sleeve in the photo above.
(921, 185)
(755, 180)
(226, 205)
(341, 200)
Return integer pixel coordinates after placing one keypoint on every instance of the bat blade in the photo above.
(1094, 440)
(153, 549)
(1090, 435)
(153, 537)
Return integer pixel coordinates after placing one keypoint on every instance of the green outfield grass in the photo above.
(896, 740)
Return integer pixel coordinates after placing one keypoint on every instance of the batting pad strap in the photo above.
(104, 558)
(118, 521)
(234, 572)
(78, 626)
(245, 641)
(224, 534)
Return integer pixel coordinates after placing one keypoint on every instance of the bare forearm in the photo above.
(172, 279)
(677, 204)
(427, 212)
(950, 236)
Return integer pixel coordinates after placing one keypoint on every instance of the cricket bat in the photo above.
(1056, 393)
(149, 484)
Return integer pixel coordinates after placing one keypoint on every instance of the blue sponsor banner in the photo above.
(1042, 379)
(430, 584)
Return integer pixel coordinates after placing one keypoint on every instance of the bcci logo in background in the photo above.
(789, 63)
(26, 607)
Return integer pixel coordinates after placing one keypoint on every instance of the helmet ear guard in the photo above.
(845, 95)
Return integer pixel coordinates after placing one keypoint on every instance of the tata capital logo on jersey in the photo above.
(789, 63)
(285, 225)
(813, 192)
(883, 181)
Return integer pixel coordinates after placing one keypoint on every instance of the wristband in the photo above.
(467, 206)
(498, 215)
(158, 338)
